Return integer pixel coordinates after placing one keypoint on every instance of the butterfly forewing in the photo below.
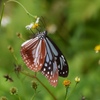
(33, 53)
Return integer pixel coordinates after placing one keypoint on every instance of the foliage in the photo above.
(76, 25)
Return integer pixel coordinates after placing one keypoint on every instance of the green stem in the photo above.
(32, 98)
(15, 57)
(18, 97)
(72, 90)
(22, 7)
(2, 13)
(66, 92)
(25, 73)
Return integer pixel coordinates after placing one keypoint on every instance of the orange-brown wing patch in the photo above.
(33, 52)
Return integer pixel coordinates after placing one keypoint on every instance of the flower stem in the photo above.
(66, 92)
(2, 13)
(32, 98)
(22, 7)
(19, 98)
(15, 57)
(72, 90)
(25, 73)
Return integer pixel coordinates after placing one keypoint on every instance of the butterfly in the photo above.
(40, 53)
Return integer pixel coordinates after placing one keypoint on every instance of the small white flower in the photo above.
(37, 20)
(28, 27)
(33, 25)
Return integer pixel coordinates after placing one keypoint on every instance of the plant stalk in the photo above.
(25, 73)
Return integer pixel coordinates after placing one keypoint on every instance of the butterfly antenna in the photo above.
(32, 31)
(39, 30)
(42, 21)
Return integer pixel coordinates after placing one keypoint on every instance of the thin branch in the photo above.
(2, 13)
(27, 74)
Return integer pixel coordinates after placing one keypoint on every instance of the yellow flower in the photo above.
(77, 79)
(66, 82)
(33, 25)
(97, 48)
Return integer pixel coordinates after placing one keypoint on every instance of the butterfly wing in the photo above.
(62, 64)
(55, 64)
(33, 53)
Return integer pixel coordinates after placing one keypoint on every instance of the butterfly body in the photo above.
(41, 54)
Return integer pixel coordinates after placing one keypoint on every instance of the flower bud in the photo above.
(3, 98)
(10, 49)
(77, 79)
(13, 90)
(34, 85)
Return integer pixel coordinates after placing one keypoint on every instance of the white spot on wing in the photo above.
(40, 64)
(44, 69)
(50, 63)
(51, 72)
(49, 67)
(48, 72)
(45, 64)
(58, 66)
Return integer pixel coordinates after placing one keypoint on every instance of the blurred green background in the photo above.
(74, 25)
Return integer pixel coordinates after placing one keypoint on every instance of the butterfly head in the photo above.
(41, 34)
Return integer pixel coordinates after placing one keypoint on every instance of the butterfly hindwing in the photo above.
(55, 64)
(49, 69)
(62, 64)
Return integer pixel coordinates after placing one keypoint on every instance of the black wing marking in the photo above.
(59, 57)
(55, 64)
